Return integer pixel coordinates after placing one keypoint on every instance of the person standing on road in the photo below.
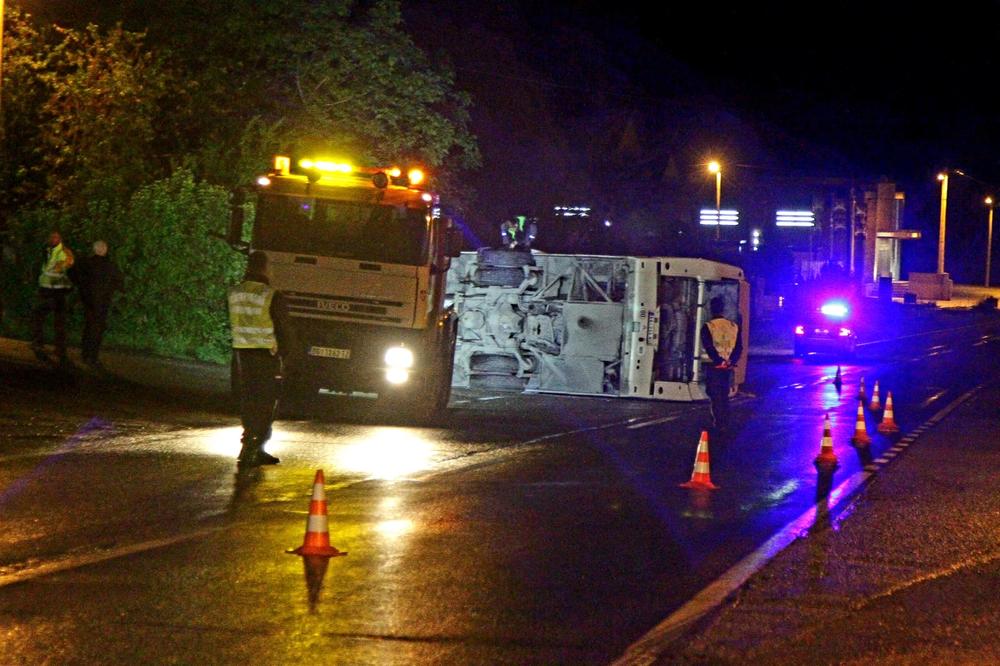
(53, 286)
(258, 315)
(722, 342)
(98, 279)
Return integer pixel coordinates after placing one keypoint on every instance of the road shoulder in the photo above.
(908, 571)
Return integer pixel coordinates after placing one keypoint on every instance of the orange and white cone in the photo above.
(700, 477)
(876, 404)
(827, 459)
(317, 541)
(888, 425)
(861, 390)
(860, 437)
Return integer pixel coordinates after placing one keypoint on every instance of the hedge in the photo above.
(176, 273)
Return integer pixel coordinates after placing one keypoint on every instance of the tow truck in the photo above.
(361, 255)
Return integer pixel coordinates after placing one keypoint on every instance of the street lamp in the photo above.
(716, 168)
(943, 177)
(989, 239)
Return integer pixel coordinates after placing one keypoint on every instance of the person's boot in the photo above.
(265, 458)
(248, 455)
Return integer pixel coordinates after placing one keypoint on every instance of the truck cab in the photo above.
(361, 255)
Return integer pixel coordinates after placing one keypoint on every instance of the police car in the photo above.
(827, 330)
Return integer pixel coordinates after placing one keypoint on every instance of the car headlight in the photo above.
(399, 358)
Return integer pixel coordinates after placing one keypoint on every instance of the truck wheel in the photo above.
(504, 257)
(491, 276)
(493, 363)
(444, 380)
(498, 382)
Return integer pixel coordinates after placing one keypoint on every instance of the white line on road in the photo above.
(646, 424)
(75, 562)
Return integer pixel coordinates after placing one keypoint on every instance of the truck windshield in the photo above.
(345, 229)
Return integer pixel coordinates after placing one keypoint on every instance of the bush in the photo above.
(176, 275)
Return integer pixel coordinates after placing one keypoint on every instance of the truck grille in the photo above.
(343, 307)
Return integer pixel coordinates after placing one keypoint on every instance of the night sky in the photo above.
(865, 89)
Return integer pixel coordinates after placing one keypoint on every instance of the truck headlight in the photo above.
(398, 361)
(399, 358)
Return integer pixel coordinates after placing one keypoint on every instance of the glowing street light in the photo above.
(989, 239)
(943, 177)
(716, 168)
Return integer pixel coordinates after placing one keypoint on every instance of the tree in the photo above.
(81, 114)
(297, 76)
(100, 120)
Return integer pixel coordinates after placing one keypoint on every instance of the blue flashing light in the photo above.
(834, 309)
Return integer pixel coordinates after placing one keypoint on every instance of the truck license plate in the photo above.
(330, 352)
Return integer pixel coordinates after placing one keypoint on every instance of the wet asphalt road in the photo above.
(524, 529)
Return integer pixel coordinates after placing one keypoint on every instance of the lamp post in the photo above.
(943, 177)
(716, 168)
(989, 239)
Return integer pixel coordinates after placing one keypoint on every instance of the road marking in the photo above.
(75, 562)
(646, 424)
(651, 646)
(917, 335)
(937, 396)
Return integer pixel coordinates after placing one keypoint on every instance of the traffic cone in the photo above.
(700, 478)
(860, 437)
(827, 459)
(888, 425)
(876, 403)
(317, 541)
(861, 390)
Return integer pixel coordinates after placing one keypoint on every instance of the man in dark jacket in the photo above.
(98, 279)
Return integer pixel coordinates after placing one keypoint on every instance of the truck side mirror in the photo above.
(237, 197)
(455, 241)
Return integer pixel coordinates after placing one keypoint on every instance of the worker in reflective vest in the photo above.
(258, 316)
(53, 286)
(723, 345)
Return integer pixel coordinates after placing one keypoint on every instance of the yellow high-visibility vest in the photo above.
(723, 334)
(57, 262)
(250, 316)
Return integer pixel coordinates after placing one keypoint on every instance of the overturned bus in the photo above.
(589, 325)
